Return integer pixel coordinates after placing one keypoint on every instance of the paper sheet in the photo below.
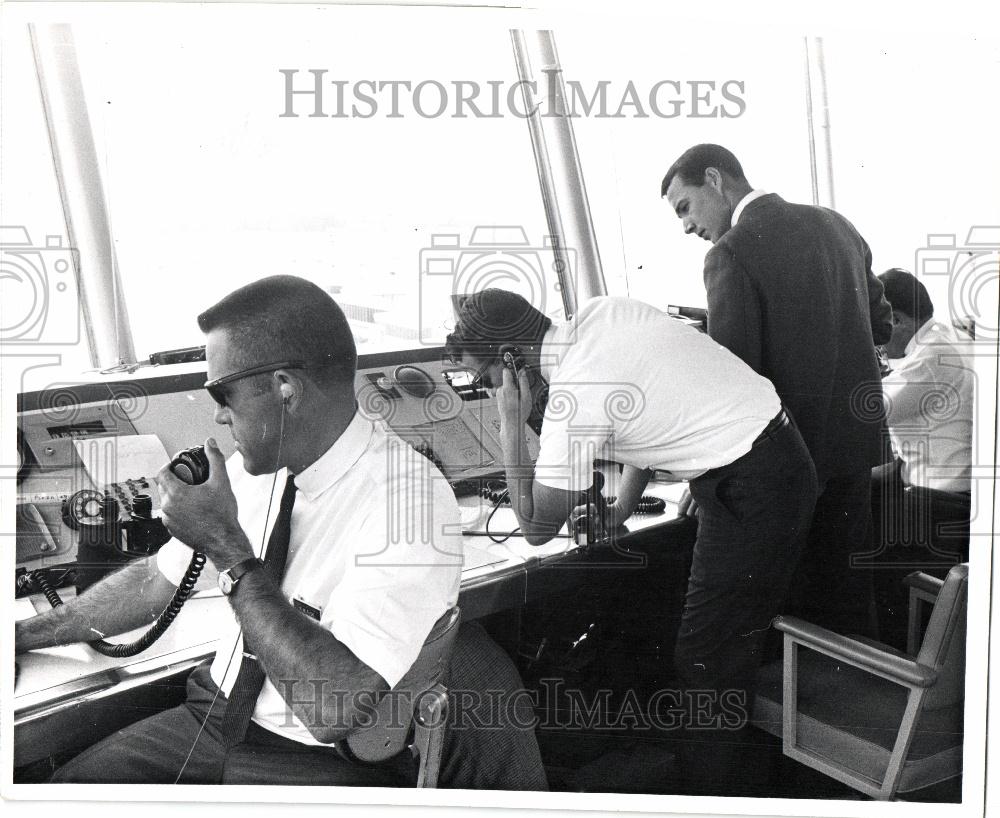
(116, 459)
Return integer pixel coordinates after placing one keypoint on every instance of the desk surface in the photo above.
(495, 577)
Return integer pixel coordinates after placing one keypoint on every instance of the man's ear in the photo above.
(713, 177)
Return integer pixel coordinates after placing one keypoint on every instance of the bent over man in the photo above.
(624, 382)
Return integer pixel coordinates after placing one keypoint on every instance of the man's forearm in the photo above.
(323, 682)
(119, 603)
(630, 488)
(520, 477)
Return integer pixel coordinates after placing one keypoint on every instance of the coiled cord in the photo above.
(156, 630)
(46, 588)
(647, 504)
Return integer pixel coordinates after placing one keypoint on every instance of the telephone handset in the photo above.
(512, 359)
(191, 466)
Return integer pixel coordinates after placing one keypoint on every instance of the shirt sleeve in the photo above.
(573, 436)
(915, 392)
(172, 560)
(404, 575)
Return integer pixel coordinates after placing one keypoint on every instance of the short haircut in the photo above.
(491, 318)
(287, 318)
(907, 295)
(692, 164)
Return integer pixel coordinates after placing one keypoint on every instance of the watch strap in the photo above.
(237, 572)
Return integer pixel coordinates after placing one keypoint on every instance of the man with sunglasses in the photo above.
(337, 549)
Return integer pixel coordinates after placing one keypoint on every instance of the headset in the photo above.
(287, 393)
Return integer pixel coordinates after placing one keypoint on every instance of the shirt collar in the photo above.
(930, 332)
(751, 196)
(338, 459)
(547, 354)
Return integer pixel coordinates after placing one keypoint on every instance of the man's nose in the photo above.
(689, 227)
(221, 415)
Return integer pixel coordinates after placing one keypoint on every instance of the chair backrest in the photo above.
(390, 725)
(943, 646)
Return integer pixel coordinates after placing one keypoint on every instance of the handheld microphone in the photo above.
(191, 465)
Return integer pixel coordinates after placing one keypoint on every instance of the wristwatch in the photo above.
(229, 579)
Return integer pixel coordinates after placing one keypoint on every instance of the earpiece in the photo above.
(511, 357)
(286, 392)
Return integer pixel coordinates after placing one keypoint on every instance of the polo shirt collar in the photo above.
(547, 355)
(753, 195)
(336, 461)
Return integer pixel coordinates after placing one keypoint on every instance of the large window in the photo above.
(375, 151)
(911, 127)
(668, 87)
(216, 174)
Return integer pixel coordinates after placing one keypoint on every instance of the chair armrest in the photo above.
(920, 581)
(895, 668)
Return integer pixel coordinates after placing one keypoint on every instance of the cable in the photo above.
(232, 653)
(499, 502)
(167, 616)
(647, 504)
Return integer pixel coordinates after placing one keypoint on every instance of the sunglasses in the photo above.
(219, 395)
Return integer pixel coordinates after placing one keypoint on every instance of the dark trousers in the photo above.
(753, 518)
(914, 529)
(184, 745)
(833, 586)
(485, 747)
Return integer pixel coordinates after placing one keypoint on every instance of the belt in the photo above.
(779, 421)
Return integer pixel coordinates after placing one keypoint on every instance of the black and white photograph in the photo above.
(544, 407)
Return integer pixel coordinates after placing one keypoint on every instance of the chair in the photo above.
(870, 716)
(419, 693)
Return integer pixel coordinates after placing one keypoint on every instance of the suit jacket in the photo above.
(791, 292)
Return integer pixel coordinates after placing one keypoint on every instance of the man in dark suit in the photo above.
(791, 291)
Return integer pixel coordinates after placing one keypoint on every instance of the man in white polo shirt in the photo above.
(624, 382)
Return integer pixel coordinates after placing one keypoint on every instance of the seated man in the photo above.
(624, 382)
(928, 393)
(921, 500)
(324, 583)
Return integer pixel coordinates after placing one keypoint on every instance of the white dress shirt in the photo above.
(375, 551)
(741, 206)
(929, 400)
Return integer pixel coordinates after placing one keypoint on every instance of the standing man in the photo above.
(791, 292)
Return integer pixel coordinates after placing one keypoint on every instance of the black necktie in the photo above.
(249, 681)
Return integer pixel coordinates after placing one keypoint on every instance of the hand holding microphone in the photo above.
(198, 505)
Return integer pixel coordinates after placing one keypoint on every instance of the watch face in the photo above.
(225, 583)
